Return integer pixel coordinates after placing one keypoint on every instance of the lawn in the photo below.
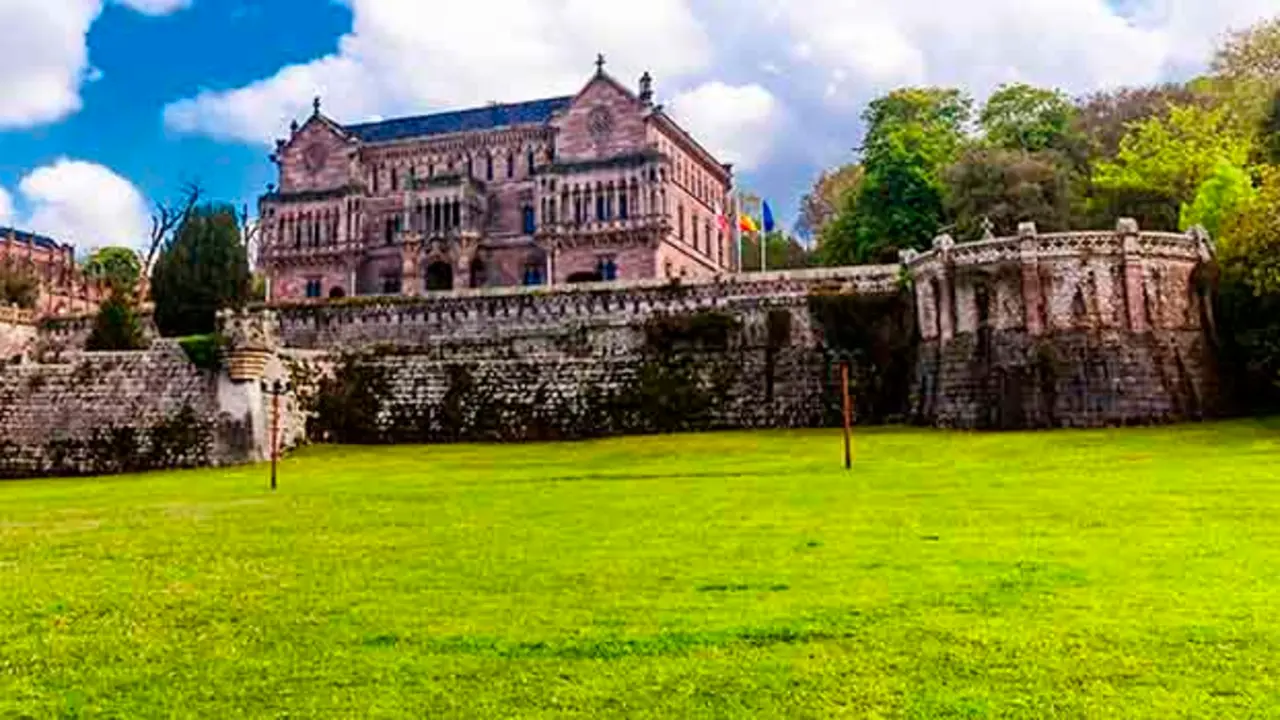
(1105, 574)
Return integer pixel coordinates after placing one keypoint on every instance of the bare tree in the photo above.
(168, 217)
(251, 231)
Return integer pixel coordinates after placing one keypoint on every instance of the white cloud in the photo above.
(492, 50)
(46, 58)
(737, 124)
(6, 207)
(155, 7)
(82, 203)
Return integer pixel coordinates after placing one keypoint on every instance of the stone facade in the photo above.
(1065, 329)
(17, 334)
(599, 185)
(63, 287)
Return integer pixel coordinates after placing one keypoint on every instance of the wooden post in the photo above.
(848, 415)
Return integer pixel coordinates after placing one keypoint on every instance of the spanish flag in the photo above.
(747, 224)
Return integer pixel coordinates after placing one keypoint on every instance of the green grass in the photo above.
(1072, 574)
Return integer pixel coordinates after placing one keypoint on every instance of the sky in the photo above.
(109, 105)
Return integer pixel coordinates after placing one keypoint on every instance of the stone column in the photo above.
(410, 273)
(1032, 293)
(1134, 274)
(252, 339)
(946, 303)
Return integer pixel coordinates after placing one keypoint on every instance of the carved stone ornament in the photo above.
(600, 123)
(314, 156)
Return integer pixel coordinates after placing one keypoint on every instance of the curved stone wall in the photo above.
(1078, 329)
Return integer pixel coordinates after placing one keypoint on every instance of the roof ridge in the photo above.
(459, 111)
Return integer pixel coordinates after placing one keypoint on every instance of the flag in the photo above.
(721, 219)
(747, 224)
(768, 217)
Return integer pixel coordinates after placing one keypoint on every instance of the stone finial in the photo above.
(907, 256)
(600, 64)
(1127, 226)
(1026, 230)
(1203, 240)
(293, 127)
(944, 242)
(987, 228)
(646, 88)
(315, 105)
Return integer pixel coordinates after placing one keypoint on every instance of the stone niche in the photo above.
(1085, 329)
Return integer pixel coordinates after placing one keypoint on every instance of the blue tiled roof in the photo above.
(30, 238)
(484, 118)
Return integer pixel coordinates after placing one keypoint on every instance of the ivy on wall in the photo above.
(877, 336)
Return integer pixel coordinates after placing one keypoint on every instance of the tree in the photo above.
(1031, 119)
(118, 267)
(116, 327)
(821, 204)
(912, 134)
(1250, 54)
(1269, 133)
(1103, 119)
(166, 217)
(1220, 196)
(1171, 157)
(18, 286)
(1006, 187)
(1249, 245)
(201, 270)
(785, 253)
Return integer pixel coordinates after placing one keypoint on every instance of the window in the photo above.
(607, 268)
(376, 172)
(680, 226)
(314, 288)
(488, 168)
(622, 204)
(533, 274)
(600, 208)
(530, 223)
(707, 234)
(391, 231)
(511, 166)
(529, 158)
(391, 284)
(395, 180)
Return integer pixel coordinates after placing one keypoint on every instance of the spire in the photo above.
(646, 88)
(600, 64)
(315, 105)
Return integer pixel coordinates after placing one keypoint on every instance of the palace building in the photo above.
(61, 286)
(597, 186)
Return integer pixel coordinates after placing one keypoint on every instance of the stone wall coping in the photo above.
(881, 278)
(1192, 245)
(17, 316)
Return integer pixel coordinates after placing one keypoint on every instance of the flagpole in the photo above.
(737, 229)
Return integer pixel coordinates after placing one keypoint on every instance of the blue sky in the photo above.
(120, 101)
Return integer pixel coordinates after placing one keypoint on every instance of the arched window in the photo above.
(395, 180)
(623, 210)
(336, 293)
(529, 158)
(530, 223)
(607, 268)
(680, 221)
(511, 166)
(488, 167)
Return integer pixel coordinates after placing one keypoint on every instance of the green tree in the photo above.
(1269, 133)
(1220, 196)
(116, 326)
(202, 269)
(1103, 119)
(912, 135)
(18, 286)
(1031, 119)
(1006, 187)
(1170, 157)
(785, 253)
(118, 267)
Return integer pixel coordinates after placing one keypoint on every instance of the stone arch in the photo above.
(336, 293)
(584, 277)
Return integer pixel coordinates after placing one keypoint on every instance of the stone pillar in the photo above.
(946, 303)
(1134, 275)
(252, 339)
(410, 274)
(1033, 300)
